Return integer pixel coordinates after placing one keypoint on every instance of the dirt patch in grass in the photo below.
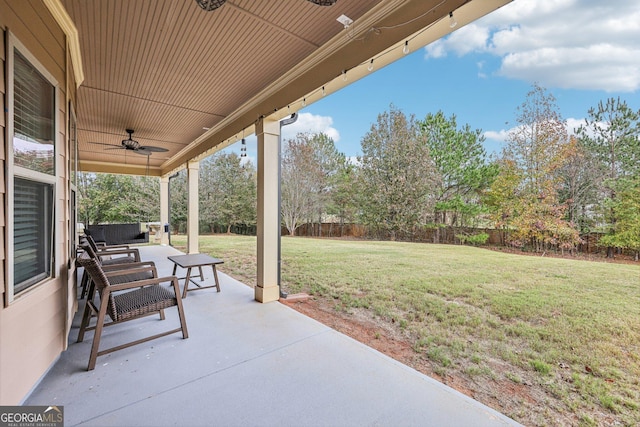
(375, 334)
(519, 399)
(361, 327)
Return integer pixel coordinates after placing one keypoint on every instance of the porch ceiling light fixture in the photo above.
(344, 20)
(323, 2)
(210, 5)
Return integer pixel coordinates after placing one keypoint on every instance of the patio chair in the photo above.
(102, 246)
(107, 256)
(128, 301)
(117, 274)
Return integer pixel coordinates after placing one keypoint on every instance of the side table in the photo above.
(190, 261)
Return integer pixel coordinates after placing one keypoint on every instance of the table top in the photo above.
(194, 260)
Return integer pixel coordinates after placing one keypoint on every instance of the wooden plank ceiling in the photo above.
(168, 69)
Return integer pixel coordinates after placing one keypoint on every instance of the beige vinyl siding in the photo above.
(2, 161)
(37, 30)
(34, 327)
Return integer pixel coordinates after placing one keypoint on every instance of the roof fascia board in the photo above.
(63, 19)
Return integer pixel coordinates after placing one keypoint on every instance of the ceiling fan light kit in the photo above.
(324, 2)
(210, 5)
(130, 144)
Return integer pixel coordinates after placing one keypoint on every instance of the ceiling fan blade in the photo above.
(102, 143)
(148, 154)
(153, 149)
(143, 151)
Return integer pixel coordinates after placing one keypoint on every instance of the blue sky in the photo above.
(581, 51)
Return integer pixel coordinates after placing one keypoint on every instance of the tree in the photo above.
(328, 162)
(536, 143)
(540, 223)
(87, 206)
(578, 185)
(626, 234)
(537, 150)
(147, 197)
(227, 191)
(611, 135)
(118, 198)
(300, 182)
(502, 197)
(343, 198)
(178, 203)
(461, 162)
(396, 176)
(310, 168)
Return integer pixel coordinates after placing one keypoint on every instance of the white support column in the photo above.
(164, 210)
(268, 133)
(193, 169)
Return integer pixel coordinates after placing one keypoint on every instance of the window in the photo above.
(32, 204)
(31, 178)
(33, 112)
(73, 147)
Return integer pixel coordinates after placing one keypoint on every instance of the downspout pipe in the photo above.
(285, 122)
(169, 202)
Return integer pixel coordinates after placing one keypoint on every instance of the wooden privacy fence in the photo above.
(446, 235)
(441, 235)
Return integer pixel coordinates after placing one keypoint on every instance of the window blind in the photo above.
(32, 232)
(34, 117)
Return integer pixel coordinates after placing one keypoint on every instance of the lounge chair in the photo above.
(127, 301)
(108, 255)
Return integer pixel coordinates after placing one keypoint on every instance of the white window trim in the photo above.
(13, 43)
(72, 146)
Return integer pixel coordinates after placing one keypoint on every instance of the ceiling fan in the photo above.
(132, 145)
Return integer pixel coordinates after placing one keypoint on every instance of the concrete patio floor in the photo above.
(245, 364)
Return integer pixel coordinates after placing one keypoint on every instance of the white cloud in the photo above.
(573, 124)
(578, 44)
(500, 136)
(306, 123)
(470, 38)
(437, 49)
(353, 160)
(311, 123)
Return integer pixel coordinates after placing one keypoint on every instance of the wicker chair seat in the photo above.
(118, 260)
(142, 301)
(131, 277)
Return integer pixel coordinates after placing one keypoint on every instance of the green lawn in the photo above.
(567, 330)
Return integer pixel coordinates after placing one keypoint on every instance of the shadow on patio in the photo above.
(245, 364)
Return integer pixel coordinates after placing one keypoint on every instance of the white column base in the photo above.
(267, 294)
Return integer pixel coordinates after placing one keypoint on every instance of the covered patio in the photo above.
(188, 78)
(245, 363)
(151, 88)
